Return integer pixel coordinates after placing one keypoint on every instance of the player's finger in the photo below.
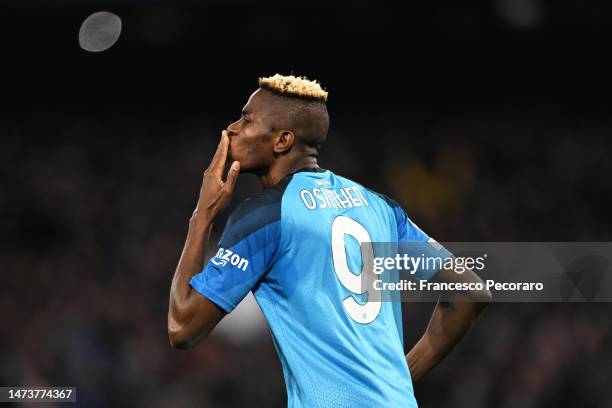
(218, 160)
(232, 176)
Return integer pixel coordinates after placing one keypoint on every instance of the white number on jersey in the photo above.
(367, 312)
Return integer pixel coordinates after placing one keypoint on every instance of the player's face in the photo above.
(252, 136)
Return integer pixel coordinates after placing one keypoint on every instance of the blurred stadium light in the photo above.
(244, 325)
(520, 13)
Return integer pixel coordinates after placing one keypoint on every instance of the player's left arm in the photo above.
(191, 316)
(453, 316)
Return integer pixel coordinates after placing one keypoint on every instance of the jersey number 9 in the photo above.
(360, 283)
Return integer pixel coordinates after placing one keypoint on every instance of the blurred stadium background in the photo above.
(488, 121)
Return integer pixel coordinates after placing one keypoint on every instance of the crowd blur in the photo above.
(94, 216)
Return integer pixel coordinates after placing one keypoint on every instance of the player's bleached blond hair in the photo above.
(299, 87)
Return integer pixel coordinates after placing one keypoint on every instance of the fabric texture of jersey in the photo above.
(296, 247)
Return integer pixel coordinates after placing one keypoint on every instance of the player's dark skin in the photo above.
(264, 142)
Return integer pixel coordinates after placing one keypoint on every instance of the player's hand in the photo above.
(215, 194)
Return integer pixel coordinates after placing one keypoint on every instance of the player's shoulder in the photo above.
(375, 194)
(262, 209)
(349, 181)
(268, 201)
(388, 202)
(386, 199)
(268, 198)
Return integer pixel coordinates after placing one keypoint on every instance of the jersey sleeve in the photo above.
(247, 249)
(416, 243)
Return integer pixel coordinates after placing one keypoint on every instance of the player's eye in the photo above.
(245, 119)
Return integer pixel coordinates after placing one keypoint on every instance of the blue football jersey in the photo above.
(296, 246)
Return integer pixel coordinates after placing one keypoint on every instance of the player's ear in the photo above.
(284, 141)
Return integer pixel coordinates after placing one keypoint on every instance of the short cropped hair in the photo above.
(298, 87)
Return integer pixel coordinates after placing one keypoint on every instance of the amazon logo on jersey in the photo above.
(227, 256)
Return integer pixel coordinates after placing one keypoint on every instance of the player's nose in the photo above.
(232, 129)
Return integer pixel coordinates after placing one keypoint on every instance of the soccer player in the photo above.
(337, 345)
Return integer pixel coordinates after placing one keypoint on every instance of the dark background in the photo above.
(488, 121)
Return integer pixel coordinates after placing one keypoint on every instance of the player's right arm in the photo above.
(453, 316)
(191, 316)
